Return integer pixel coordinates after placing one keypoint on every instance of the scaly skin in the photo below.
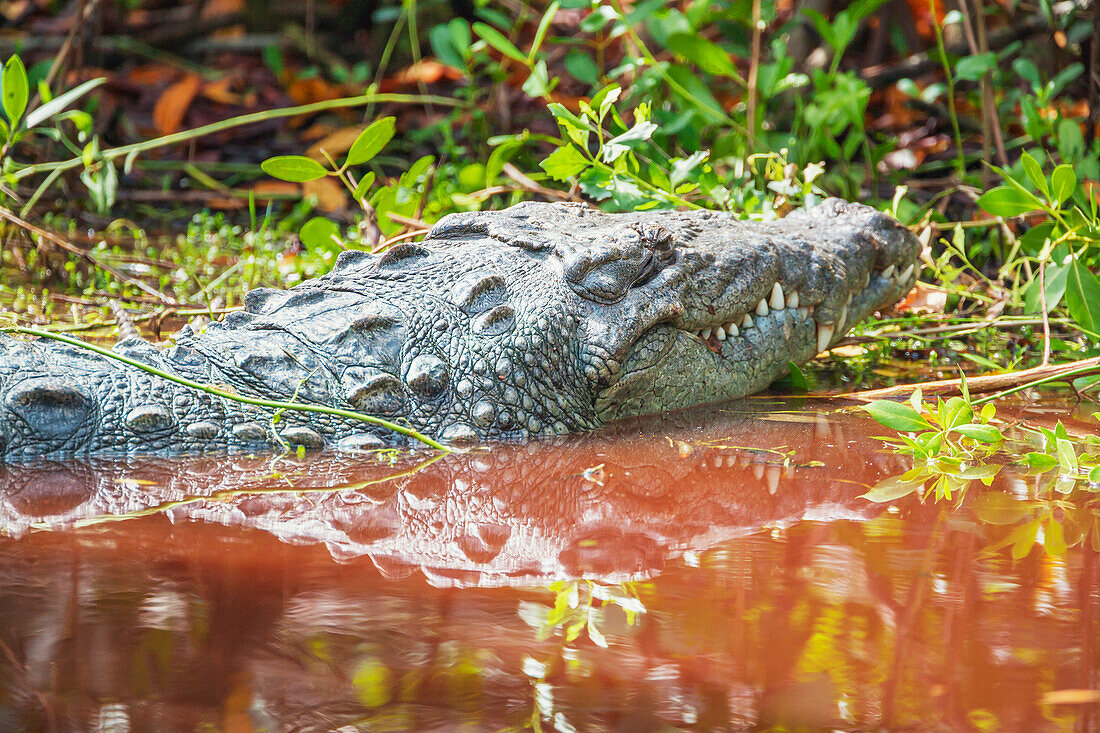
(543, 318)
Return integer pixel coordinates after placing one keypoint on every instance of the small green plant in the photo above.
(1063, 250)
(22, 121)
(949, 442)
(952, 444)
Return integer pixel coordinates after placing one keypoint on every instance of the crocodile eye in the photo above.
(605, 272)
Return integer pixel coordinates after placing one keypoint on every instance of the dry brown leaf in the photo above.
(330, 195)
(169, 111)
(222, 91)
(151, 74)
(267, 189)
(219, 8)
(335, 143)
(923, 298)
(848, 350)
(308, 91)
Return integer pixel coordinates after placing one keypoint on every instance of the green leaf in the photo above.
(16, 91)
(496, 39)
(1008, 201)
(893, 488)
(539, 83)
(320, 234)
(1040, 461)
(293, 168)
(705, 54)
(1056, 277)
(1054, 538)
(1083, 297)
(1023, 539)
(582, 67)
(697, 94)
(798, 379)
(635, 136)
(896, 416)
(683, 167)
(980, 433)
(544, 26)
(1063, 182)
(971, 68)
(371, 141)
(1035, 173)
(364, 185)
(56, 105)
(956, 411)
(1094, 475)
(564, 163)
(1067, 455)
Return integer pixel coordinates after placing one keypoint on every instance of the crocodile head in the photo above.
(554, 318)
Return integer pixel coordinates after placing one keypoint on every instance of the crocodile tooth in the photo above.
(843, 318)
(705, 334)
(824, 336)
(762, 308)
(804, 312)
(792, 299)
(732, 330)
(746, 322)
(777, 303)
(758, 470)
(720, 333)
(904, 276)
(773, 479)
(888, 272)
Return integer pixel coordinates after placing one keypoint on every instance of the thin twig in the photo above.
(1003, 384)
(248, 119)
(754, 65)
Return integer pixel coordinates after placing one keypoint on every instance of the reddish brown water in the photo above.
(715, 571)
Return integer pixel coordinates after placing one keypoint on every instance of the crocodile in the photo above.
(543, 318)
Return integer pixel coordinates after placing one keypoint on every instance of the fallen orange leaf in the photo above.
(330, 195)
(170, 109)
(335, 143)
(266, 189)
(151, 74)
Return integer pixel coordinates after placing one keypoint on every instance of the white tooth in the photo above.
(762, 308)
(792, 299)
(776, 301)
(720, 333)
(706, 334)
(843, 319)
(758, 470)
(904, 276)
(804, 312)
(824, 336)
(888, 272)
(746, 322)
(731, 329)
(773, 479)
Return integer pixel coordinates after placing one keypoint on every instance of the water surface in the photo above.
(715, 570)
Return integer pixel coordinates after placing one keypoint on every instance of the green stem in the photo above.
(960, 159)
(185, 135)
(274, 404)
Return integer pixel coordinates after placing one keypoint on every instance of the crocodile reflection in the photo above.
(613, 506)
